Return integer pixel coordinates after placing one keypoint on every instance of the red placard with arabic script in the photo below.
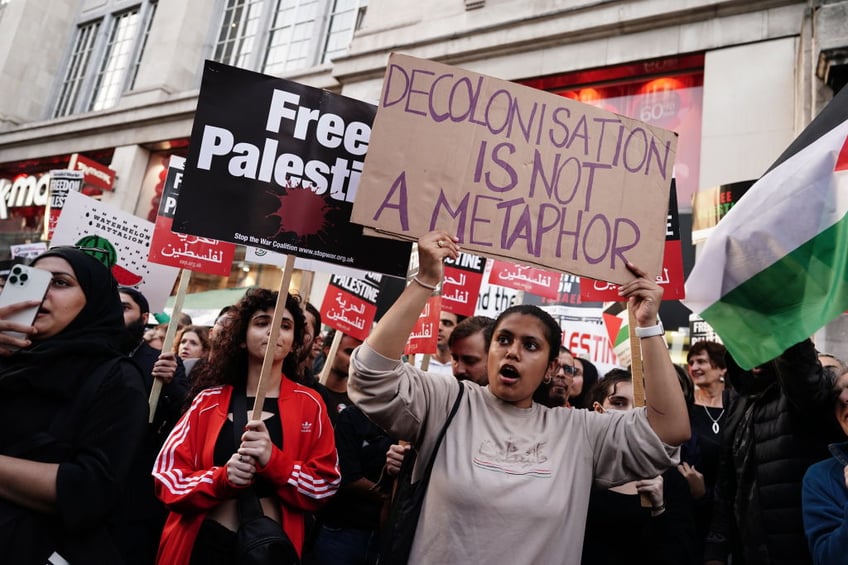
(461, 285)
(425, 334)
(350, 304)
(529, 279)
(670, 279)
(190, 252)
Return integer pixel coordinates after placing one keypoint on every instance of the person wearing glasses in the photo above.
(554, 389)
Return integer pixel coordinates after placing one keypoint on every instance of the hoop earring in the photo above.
(547, 380)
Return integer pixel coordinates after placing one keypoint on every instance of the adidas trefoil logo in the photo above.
(306, 427)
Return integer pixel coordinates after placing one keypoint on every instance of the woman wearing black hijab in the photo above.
(72, 410)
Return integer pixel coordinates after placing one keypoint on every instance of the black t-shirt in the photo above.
(335, 402)
(362, 448)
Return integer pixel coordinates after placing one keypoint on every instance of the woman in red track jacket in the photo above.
(200, 471)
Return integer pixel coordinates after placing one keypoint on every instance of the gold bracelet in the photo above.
(425, 285)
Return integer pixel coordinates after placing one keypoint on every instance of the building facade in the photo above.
(117, 80)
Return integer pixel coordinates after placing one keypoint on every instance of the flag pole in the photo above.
(635, 360)
(331, 356)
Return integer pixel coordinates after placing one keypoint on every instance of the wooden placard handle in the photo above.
(268, 360)
(168, 342)
(636, 361)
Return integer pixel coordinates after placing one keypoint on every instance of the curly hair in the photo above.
(228, 364)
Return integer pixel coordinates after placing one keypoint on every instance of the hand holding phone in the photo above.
(20, 300)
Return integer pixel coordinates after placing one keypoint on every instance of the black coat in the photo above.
(778, 425)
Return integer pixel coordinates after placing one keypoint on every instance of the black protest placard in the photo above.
(275, 164)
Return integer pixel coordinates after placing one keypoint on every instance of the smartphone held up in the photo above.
(24, 284)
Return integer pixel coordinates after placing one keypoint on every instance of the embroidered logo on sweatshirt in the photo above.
(306, 427)
(514, 457)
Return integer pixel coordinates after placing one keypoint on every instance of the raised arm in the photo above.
(667, 412)
(390, 334)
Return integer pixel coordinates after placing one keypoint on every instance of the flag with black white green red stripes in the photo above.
(775, 270)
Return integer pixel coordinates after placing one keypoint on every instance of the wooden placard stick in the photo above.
(268, 361)
(156, 389)
(331, 357)
(636, 361)
(638, 377)
(425, 362)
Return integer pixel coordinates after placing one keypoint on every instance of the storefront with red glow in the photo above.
(665, 92)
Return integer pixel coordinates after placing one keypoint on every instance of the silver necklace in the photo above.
(716, 427)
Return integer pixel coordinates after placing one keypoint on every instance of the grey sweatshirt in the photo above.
(509, 485)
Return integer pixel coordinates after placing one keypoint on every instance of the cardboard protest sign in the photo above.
(195, 253)
(28, 250)
(425, 335)
(276, 164)
(461, 283)
(350, 304)
(515, 172)
(671, 277)
(529, 279)
(61, 183)
(122, 241)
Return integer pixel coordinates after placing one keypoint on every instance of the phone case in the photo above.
(24, 283)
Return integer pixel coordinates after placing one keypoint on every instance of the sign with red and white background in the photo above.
(350, 304)
(461, 283)
(425, 335)
(190, 252)
(529, 279)
(671, 277)
(95, 174)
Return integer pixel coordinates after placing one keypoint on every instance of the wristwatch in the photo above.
(650, 331)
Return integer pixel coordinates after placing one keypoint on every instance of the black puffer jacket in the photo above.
(778, 425)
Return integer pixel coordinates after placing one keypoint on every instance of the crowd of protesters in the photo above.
(546, 461)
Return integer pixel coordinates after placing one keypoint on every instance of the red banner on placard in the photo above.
(425, 334)
(190, 252)
(350, 304)
(461, 285)
(529, 279)
(671, 277)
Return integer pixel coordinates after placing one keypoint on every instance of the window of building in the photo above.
(104, 57)
(276, 36)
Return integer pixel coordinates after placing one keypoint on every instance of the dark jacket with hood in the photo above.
(777, 426)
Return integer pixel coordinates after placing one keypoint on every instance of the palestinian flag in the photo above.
(775, 269)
